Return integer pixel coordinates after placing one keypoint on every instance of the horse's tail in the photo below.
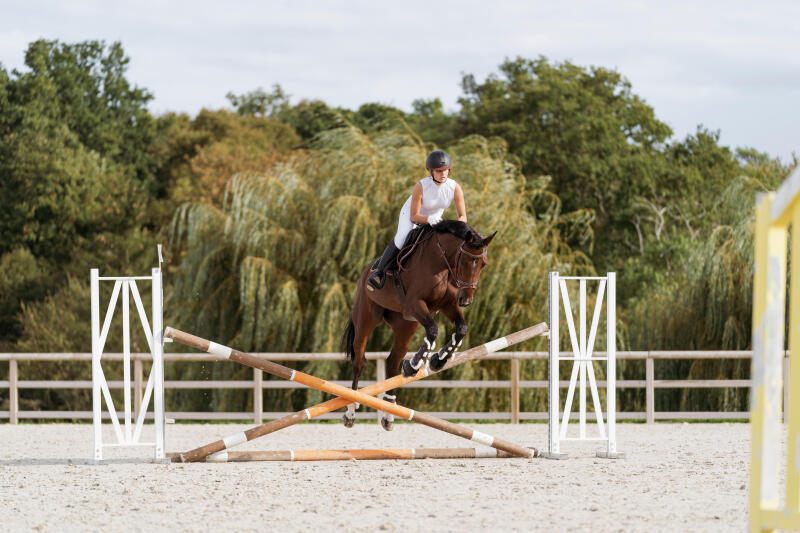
(348, 338)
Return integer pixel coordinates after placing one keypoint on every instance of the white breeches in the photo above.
(404, 225)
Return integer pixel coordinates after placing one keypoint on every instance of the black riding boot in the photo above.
(378, 275)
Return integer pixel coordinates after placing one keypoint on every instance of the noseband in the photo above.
(460, 283)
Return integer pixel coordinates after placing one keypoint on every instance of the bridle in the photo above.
(460, 283)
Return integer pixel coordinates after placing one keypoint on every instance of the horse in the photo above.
(437, 270)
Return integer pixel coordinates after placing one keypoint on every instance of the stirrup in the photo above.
(376, 281)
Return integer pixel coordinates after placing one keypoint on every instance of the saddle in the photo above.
(417, 236)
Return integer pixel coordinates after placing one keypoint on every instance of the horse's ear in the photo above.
(488, 239)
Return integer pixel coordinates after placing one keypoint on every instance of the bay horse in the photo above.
(438, 270)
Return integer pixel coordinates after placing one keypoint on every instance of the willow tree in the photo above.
(708, 299)
(275, 268)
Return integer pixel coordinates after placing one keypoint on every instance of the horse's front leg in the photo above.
(420, 312)
(439, 359)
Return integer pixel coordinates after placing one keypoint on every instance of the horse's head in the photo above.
(470, 260)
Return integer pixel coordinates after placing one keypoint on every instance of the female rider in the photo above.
(431, 196)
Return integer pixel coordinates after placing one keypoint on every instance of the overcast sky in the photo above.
(730, 66)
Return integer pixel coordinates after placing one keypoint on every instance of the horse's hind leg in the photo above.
(366, 316)
(403, 331)
(359, 360)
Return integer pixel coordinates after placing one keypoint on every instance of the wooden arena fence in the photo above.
(11, 387)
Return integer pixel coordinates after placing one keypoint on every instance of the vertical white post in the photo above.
(158, 365)
(582, 357)
(138, 377)
(126, 357)
(554, 437)
(380, 369)
(650, 391)
(611, 363)
(96, 370)
(13, 392)
(380, 375)
(514, 391)
(258, 396)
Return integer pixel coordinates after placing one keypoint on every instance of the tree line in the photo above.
(270, 208)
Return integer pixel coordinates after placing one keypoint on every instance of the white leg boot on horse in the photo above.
(439, 359)
(386, 420)
(349, 417)
(420, 358)
(355, 343)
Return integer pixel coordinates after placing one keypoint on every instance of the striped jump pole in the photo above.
(347, 396)
(373, 390)
(361, 455)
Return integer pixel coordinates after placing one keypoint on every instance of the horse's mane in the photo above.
(421, 233)
(462, 230)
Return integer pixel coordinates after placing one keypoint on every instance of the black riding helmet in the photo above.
(438, 160)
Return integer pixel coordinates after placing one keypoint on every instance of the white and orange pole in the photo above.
(347, 396)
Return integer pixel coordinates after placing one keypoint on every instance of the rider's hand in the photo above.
(434, 219)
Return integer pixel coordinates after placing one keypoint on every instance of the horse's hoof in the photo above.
(436, 364)
(408, 370)
(387, 424)
(348, 422)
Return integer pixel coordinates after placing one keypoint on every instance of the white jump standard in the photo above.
(131, 433)
(582, 369)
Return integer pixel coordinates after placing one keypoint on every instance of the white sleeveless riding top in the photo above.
(435, 199)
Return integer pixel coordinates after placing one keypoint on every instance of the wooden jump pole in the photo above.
(348, 396)
(373, 390)
(361, 455)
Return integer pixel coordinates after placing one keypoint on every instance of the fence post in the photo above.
(138, 377)
(258, 396)
(380, 375)
(514, 390)
(13, 392)
(650, 399)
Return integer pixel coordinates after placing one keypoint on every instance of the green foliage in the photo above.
(279, 262)
(583, 127)
(309, 118)
(280, 206)
(56, 192)
(432, 123)
(259, 103)
(83, 87)
(373, 116)
(75, 164)
(199, 156)
(22, 279)
(707, 297)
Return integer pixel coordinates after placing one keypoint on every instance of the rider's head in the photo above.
(439, 165)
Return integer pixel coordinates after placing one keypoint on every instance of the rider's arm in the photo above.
(461, 208)
(416, 204)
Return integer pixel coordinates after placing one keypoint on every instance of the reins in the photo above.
(460, 283)
(425, 235)
(409, 249)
